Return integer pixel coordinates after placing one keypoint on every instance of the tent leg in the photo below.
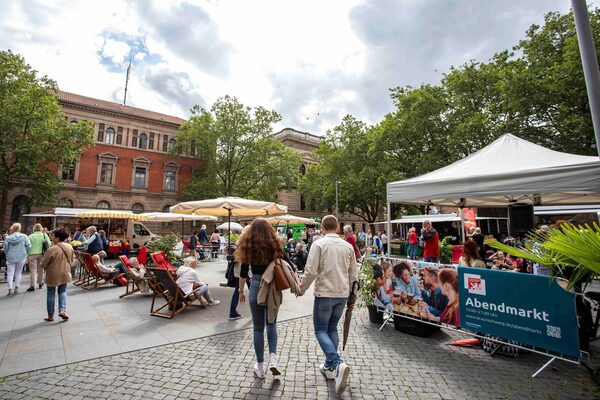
(388, 227)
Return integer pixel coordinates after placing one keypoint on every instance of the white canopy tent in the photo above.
(509, 169)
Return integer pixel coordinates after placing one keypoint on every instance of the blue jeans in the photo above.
(431, 259)
(259, 318)
(51, 298)
(120, 268)
(235, 298)
(326, 315)
(412, 251)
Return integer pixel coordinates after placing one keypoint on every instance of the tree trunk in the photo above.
(3, 206)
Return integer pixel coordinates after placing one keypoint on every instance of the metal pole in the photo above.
(337, 206)
(388, 228)
(589, 62)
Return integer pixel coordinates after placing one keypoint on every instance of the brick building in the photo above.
(127, 169)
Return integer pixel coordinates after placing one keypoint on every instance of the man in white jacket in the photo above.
(331, 264)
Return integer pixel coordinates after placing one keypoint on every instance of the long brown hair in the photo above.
(470, 251)
(259, 245)
(450, 276)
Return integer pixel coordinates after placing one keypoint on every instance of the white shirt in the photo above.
(186, 277)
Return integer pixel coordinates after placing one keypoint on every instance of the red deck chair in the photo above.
(131, 287)
(161, 261)
(143, 256)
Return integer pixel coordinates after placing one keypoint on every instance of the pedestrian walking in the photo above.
(237, 269)
(39, 243)
(57, 263)
(258, 250)
(331, 265)
(16, 247)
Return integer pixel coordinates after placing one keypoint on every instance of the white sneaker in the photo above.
(341, 378)
(214, 302)
(327, 373)
(259, 370)
(274, 364)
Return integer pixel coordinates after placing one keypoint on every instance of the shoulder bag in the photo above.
(281, 281)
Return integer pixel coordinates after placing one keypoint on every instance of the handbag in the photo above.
(230, 275)
(44, 245)
(281, 281)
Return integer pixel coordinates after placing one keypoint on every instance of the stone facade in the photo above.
(305, 144)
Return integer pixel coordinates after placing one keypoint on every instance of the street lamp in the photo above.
(337, 204)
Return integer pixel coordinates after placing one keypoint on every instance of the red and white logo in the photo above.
(474, 284)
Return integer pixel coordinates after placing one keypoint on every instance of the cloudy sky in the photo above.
(312, 61)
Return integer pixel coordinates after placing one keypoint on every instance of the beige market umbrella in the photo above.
(170, 217)
(291, 219)
(229, 206)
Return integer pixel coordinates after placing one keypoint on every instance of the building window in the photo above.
(103, 205)
(101, 132)
(143, 141)
(65, 202)
(106, 174)
(140, 178)
(68, 172)
(74, 122)
(119, 135)
(172, 143)
(137, 208)
(193, 148)
(302, 169)
(107, 167)
(302, 203)
(170, 177)
(20, 206)
(134, 138)
(141, 166)
(151, 141)
(165, 144)
(110, 136)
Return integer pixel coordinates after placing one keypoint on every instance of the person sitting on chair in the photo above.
(189, 280)
(108, 272)
(137, 273)
(300, 257)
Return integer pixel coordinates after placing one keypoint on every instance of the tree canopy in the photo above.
(35, 136)
(535, 90)
(242, 158)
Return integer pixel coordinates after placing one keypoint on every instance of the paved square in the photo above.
(386, 364)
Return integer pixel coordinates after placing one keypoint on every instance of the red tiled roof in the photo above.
(67, 97)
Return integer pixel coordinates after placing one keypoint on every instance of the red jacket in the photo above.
(352, 240)
(412, 238)
(431, 244)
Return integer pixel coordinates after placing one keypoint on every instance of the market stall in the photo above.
(519, 310)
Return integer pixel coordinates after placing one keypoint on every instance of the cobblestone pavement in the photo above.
(386, 364)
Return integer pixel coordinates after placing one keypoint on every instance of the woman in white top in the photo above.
(215, 241)
(189, 280)
(470, 255)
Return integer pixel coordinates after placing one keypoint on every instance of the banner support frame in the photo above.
(543, 367)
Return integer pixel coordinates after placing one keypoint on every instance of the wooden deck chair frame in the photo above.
(84, 275)
(96, 279)
(173, 294)
(132, 286)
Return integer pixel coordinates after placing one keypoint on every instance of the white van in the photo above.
(135, 232)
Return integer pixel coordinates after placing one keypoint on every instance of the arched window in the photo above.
(74, 122)
(167, 225)
(143, 141)
(302, 169)
(137, 208)
(172, 143)
(166, 209)
(103, 205)
(109, 137)
(20, 206)
(65, 202)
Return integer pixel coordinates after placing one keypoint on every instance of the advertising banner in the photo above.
(422, 290)
(530, 309)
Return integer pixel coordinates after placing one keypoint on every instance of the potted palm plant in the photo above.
(368, 289)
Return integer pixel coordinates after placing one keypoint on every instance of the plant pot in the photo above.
(375, 316)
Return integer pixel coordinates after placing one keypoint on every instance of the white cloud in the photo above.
(116, 50)
(312, 61)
